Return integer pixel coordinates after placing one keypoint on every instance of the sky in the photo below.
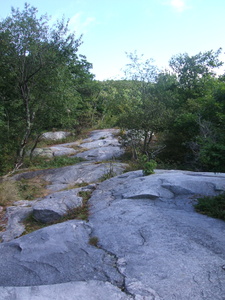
(158, 29)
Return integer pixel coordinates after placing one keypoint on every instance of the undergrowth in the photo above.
(38, 163)
(25, 189)
(30, 189)
(212, 206)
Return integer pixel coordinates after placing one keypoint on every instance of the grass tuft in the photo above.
(108, 174)
(38, 163)
(93, 241)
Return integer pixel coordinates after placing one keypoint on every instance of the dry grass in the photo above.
(3, 220)
(9, 192)
(30, 189)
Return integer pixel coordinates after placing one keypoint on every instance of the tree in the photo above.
(193, 71)
(135, 105)
(39, 73)
(148, 113)
(195, 125)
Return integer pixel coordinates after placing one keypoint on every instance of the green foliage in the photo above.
(44, 83)
(149, 167)
(212, 206)
(211, 156)
(193, 72)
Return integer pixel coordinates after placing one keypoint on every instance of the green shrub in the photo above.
(149, 167)
(212, 206)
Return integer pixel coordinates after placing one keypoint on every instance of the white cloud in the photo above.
(79, 23)
(178, 5)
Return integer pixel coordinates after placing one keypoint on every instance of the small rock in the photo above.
(56, 205)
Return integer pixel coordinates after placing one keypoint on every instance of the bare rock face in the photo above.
(102, 145)
(143, 239)
(150, 224)
(56, 254)
(15, 227)
(82, 290)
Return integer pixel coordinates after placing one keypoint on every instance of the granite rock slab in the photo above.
(159, 239)
(56, 254)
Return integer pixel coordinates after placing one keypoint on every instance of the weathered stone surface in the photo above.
(54, 136)
(160, 241)
(78, 290)
(56, 205)
(57, 150)
(101, 154)
(81, 173)
(102, 134)
(56, 254)
(102, 145)
(85, 172)
(151, 242)
(62, 150)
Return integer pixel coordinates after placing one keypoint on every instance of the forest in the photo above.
(175, 117)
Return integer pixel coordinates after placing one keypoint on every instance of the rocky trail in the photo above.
(143, 239)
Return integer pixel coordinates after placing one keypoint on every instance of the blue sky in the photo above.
(158, 29)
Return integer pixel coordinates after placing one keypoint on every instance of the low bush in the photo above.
(149, 167)
(212, 206)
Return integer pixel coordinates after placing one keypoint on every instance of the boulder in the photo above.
(62, 150)
(56, 205)
(45, 152)
(55, 136)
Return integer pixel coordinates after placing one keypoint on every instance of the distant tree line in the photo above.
(175, 117)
